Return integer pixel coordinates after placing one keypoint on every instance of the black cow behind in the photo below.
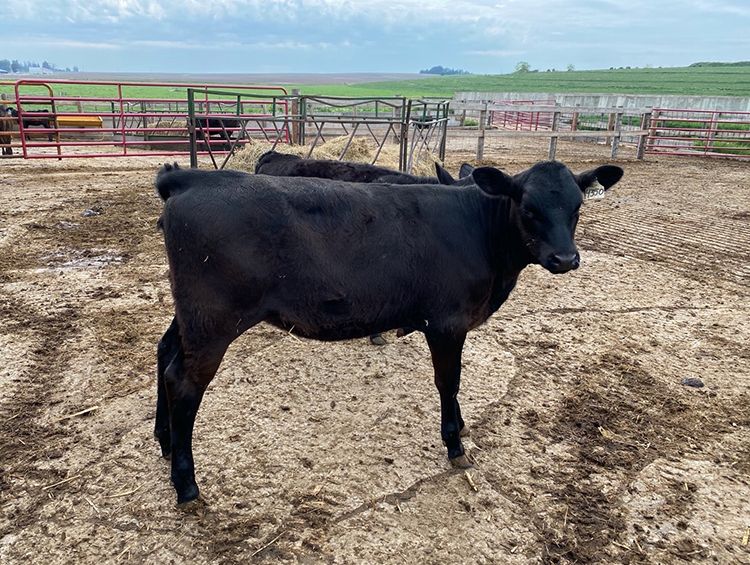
(287, 165)
(221, 128)
(6, 124)
(29, 119)
(331, 260)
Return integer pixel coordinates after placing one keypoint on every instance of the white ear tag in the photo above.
(594, 192)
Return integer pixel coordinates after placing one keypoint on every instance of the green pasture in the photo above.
(687, 81)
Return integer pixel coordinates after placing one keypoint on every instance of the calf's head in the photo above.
(547, 199)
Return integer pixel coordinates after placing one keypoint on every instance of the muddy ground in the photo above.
(588, 447)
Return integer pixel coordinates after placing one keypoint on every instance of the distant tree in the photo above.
(15, 66)
(5, 65)
(522, 67)
(440, 70)
(571, 67)
(75, 69)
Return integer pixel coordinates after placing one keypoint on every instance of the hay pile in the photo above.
(173, 123)
(359, 151)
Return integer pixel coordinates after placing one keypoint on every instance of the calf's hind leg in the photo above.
(185, 381)
(165, 353)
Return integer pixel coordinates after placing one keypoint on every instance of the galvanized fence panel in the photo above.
(418, 126)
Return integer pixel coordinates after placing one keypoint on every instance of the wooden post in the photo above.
(643, 138)
(616, 138)
(403, 149)
(652, 129)
(712, 130)
(553, 139)
(295, 117)
(610, 125)
(480, 138)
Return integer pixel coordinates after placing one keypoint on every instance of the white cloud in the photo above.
(359, 35)
(494, 53)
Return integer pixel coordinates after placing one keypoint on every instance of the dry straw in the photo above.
(359, 151)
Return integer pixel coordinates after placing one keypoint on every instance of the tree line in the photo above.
(16, 66)
(719, 64)
(439, 70)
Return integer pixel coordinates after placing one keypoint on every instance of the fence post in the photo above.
(405, 117)
(443, 135)
(397, 113)
(616, 137)
(643, 138)
(553, 139)
(610, 125)
(712, 128)
(480, 139)
(651, 141)
(144, 121)
(191, 129)
(295, 117)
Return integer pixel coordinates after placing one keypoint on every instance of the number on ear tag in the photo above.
(594, 192)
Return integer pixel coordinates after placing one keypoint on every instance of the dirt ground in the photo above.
(588, 447)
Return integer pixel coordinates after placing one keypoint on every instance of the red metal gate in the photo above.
(524, 121)
(128, 119)
(710, 133)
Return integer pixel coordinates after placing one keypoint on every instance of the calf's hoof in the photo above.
(194, 505)
(464, 431)
(461, 462)
(186, 495)
(186, 488)
(377, 339)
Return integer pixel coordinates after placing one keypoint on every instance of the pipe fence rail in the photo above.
(130, 119)
(609, 126)
(417, 126)
(699, 133)
(118, 119)
(42, 119)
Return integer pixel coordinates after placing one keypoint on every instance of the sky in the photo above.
(347, 36)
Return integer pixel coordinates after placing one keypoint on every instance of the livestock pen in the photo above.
(593, 442)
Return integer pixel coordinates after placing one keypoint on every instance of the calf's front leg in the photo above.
(446, 360)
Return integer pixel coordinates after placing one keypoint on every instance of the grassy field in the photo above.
(697, 81)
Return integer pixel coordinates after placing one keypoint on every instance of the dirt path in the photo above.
(588, 448)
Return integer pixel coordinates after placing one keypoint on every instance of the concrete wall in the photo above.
(721, 103)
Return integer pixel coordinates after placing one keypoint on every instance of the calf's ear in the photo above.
(495, 182)
(606, 175)
(465, 170)
(444, 177)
